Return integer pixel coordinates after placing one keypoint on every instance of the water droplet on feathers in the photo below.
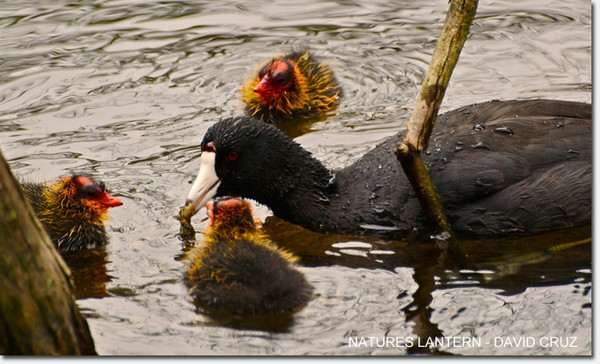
(504, 130)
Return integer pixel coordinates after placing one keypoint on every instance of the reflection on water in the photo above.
(277, 323)
(125, 90)
(88, 270)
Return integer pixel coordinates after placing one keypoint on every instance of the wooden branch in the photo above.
(38, 313)
(453, 36)
(444, 58)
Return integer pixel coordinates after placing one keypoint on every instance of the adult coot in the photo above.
(289, 87)
(499, 167)
(238, 269)
(73, 210)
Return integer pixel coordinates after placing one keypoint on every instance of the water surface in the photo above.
(125, 90)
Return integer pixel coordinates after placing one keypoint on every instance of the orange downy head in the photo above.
(230, 217)
(274, 79)
(80, 198)
(94, 194)
(289, 87)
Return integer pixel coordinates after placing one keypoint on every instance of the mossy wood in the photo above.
(38, 312)
(450, 43)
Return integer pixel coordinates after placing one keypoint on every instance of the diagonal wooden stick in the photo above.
(448, 48)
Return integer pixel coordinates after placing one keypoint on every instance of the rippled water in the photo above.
(126, 89)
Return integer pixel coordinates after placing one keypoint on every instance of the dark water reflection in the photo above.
(88, 270)
(511, 264)
(125, 90)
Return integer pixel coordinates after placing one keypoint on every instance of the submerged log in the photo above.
(38, 312)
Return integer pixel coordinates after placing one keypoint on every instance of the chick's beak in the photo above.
(210, 212)
(262, 86)
(109, 200)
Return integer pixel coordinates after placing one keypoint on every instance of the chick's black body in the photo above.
(252, 279)
(499, 167)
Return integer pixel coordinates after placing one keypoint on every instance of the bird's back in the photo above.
(538, 148)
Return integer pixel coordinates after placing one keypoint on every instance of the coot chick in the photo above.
(73, 211)
(296, 85)
(239, 270)
(499, 167)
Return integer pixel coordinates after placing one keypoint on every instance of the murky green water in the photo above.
(126, 89)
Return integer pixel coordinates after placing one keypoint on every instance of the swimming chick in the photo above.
(296, 85)
(238, 269)
(73, 211)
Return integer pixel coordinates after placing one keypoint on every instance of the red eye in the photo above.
(232, 156)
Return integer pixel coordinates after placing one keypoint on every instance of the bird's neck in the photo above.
(301, 193)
